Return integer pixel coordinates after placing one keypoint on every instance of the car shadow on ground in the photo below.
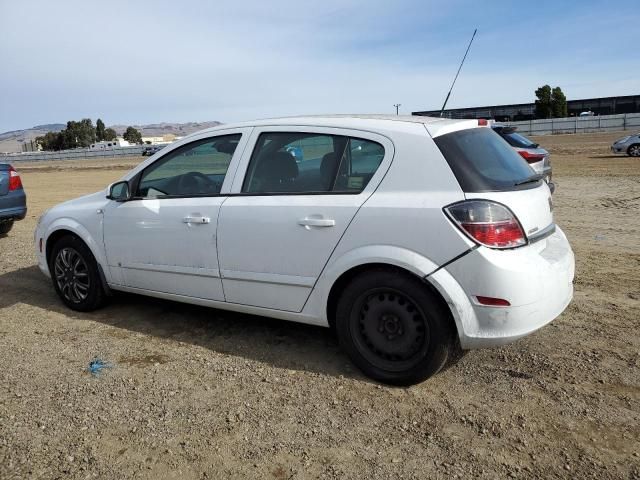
(283, 344)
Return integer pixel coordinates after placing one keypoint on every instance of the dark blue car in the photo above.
(13, 201)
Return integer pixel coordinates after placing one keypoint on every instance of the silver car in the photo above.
(536, 156)
(629, 145)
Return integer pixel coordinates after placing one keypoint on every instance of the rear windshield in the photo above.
(484, 162)
(516, 140)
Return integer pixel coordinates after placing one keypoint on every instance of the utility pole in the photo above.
(397, 105)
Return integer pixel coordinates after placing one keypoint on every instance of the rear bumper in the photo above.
(13, 206)
(537, 280)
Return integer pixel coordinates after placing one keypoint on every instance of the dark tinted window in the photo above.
(308, 162)
(197, 168)
(483, 162)
(515, 139)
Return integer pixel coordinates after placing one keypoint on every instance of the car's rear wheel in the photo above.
(634, 150)
(75, 275)
(5, 227)
(393, 327)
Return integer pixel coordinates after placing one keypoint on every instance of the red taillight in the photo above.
(488, 223)
(531, 157)
(499, 234)
(14, 180)
(492, 302)
(483, 122)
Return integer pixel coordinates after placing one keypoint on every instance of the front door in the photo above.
(164, 239)
(300, 192)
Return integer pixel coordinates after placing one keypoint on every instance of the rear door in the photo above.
(294, 196)
(488, 168)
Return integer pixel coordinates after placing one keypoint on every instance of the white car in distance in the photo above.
(412, 236)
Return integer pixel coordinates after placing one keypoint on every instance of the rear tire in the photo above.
(75, 275)
(393, 327)
(634, 150)
(5, 227)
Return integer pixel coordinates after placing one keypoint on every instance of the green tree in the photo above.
(50, 141)
(76, 135)
(132, 135)
(110, 134)
(558, 103)
(543, 102)
(99, 130)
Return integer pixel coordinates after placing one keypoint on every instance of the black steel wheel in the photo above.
(75, 274)
(394, 327)
(392, 331)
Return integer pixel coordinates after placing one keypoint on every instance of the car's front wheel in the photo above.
(393, 327)
(75, 275)
(5, 227)
(634, 150)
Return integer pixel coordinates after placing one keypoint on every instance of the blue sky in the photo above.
(153, 61)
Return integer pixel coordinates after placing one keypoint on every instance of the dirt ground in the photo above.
(200, 393)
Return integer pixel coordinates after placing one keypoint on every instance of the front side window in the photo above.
(310, 163)
(195, 169)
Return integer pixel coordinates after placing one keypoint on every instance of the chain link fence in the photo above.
(600, 123)
(70, 154)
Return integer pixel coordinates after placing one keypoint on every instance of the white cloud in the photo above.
(149, 61)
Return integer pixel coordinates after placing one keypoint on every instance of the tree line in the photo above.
(82, 134)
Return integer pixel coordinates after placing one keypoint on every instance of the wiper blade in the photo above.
(531, 179)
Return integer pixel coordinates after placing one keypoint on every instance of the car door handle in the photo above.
(317, 222)
(197, 220)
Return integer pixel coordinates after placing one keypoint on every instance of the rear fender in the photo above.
(408, 260)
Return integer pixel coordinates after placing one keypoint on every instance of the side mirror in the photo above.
(119, 191)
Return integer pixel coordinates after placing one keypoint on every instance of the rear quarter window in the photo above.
(483, 162)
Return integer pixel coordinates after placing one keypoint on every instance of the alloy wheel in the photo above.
(72, 275)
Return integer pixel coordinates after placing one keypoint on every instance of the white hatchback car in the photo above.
(411, 236)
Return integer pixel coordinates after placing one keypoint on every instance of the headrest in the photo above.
(283, 166)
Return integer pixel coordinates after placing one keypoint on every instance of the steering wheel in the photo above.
(196, 182)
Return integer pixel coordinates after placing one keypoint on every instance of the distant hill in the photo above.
(12, 141)
(157, 129)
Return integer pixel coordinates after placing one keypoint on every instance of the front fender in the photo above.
(78, 229)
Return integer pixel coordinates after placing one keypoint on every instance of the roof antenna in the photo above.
(458, 73)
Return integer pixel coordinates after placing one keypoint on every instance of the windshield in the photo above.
(483, 162)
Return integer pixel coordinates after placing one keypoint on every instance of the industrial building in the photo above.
(526, 111)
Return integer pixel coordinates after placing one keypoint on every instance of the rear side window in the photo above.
(299, 163)
(484, 162)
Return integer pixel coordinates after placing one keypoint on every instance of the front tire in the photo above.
(634, 150)
(394, 327)
(75, 275)
(5, 227)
